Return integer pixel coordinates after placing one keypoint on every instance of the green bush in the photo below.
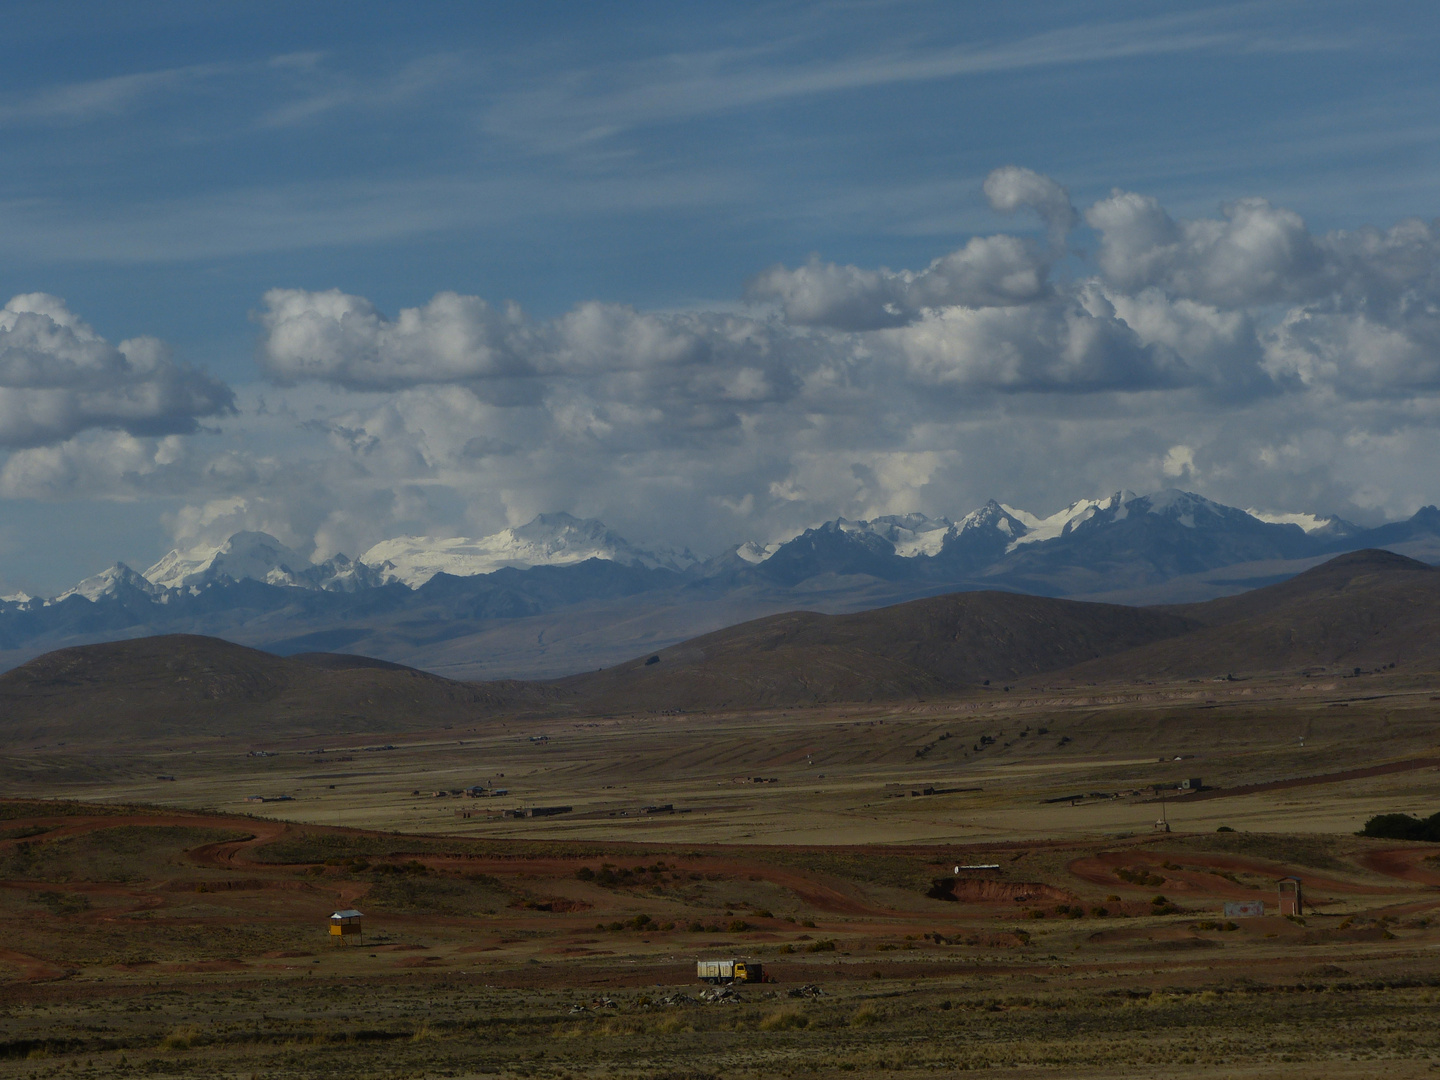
(1403, 827)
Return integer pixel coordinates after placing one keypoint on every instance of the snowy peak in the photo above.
(1187, 508)
(1328, 526)
(258, 556)
(993, 518)
(116, 580)
(254, 555)
(909, 534)
(548, 540)
(1059, 524)
(754, 553)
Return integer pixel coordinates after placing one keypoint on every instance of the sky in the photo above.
(709, 273)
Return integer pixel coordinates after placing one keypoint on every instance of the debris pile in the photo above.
(598, 1003)
(720, 995)
(809, 990)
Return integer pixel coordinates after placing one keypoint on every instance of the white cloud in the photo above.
(1244, 355)
(58, 378)
(339, 338)
(991, 271)
(1179, 461)
(1013, 188)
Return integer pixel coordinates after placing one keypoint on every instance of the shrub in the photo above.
(820, 946)
(585, 874)
(1139, 876)
(865, 1016)
(182, 1038)
(784, 1020)
(737, 926)
(1403, 827)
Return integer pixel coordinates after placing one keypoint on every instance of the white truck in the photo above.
(728, 971)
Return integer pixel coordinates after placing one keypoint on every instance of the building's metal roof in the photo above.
(348, 913)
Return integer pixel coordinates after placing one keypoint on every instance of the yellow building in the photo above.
(344, 924)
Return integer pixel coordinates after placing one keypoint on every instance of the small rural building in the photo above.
(536, 811)
(1292, 899)
(1244, 909)
(345, 924)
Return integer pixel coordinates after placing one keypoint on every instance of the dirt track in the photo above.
(1310, 781)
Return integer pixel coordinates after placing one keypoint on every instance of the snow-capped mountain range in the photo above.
(986, 534)
(562, 594)
(549, 540)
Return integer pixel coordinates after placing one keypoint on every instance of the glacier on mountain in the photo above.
(110, 581)
(258, 556)
(548, 540)
(1039, 529)
(977, 540)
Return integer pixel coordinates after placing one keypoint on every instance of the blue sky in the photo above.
(167, 167)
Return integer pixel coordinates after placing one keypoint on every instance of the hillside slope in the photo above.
(161, 687)
(1365, 609)
(931, 646)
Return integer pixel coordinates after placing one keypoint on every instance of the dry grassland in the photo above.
(155, 928)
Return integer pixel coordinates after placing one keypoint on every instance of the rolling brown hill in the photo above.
(923, 647)
(179, 684)
(1366, 609)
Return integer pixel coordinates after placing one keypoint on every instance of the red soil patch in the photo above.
(34, 968)
(1099, 869)
(974, 891)
(1407, 864)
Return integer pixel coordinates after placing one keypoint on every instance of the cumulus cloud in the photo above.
(1357, 312)
(989, 271)
(1256, 254)
(1244, 355)
(1078, 345)
(1013, 188)
(343, 339)
(1206, 350)
(58, 377)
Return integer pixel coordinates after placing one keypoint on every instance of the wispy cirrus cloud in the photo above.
(102, 99)
(584, 106)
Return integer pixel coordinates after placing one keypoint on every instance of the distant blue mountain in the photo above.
(607, 610)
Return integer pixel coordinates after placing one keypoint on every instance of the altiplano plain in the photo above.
(1025, 877)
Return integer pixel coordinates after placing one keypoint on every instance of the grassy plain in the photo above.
(166, 927)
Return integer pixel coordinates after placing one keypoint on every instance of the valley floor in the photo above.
(167, 927)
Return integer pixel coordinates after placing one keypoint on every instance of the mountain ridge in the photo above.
(551, 620)
(1362, 612)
